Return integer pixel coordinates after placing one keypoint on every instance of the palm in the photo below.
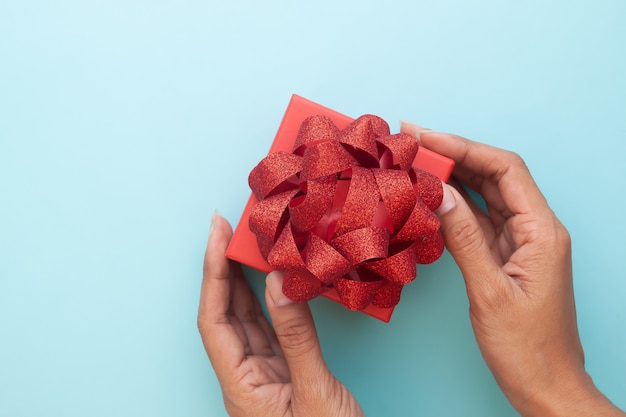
(259, 371)
(248, 342)
(263, 372)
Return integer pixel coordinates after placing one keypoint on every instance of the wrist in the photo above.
(572, 396)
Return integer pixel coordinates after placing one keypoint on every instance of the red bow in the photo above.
(346, 210)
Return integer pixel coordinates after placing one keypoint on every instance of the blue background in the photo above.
(124, 124)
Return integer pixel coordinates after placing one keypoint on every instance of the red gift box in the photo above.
(243, 247)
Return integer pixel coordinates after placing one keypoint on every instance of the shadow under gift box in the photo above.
(243, 247)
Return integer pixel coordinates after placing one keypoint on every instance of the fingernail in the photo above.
(216, 213)
(274, 283)
(448, 202)
(412, 129)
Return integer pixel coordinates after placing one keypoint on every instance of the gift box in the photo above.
(245, 247)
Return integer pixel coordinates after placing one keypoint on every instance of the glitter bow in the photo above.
(346, 209)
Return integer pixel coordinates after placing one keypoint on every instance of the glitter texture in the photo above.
(319, 197)
(397, 193)
(398, 268)
(285, 254)
(314, 129)
(363, 244)
(265, 219)
(387, 296)
(356, 295)
(429, 249)
(272, 171)
(422, 222)
(361, 203)
(324, 159)
(301, 286)
(403, 147)
(346, 210)
(428, 188)
(362, 134)
(325, 262)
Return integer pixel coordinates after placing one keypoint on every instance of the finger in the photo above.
(460, 187)
(487, 188)
(256, 342)
(234, 275)
(506, 169)
(412, 129)
(268, 330)
(296, 334)
(215, 296)
(468, 245)
(487, 224)
(470, 178)
(221, 341)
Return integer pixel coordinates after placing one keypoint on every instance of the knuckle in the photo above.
(564, 238)
(465, 149)
(515, 159)
(296, 336)
(509, 159)
(506, 163)
(552, 234)
(465, 236)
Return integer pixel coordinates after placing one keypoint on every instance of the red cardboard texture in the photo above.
(243, 247)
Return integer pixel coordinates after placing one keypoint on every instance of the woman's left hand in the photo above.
(263, 371)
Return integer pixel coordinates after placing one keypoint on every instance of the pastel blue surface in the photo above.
(124, 124)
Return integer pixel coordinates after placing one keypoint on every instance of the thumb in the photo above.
(295, 330)
(466, 243)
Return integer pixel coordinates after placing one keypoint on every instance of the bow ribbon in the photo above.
(346, 209)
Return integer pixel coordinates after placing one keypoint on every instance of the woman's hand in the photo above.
(263, 371)
(516, 262)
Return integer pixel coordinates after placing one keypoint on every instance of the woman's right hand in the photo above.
(516, 262)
